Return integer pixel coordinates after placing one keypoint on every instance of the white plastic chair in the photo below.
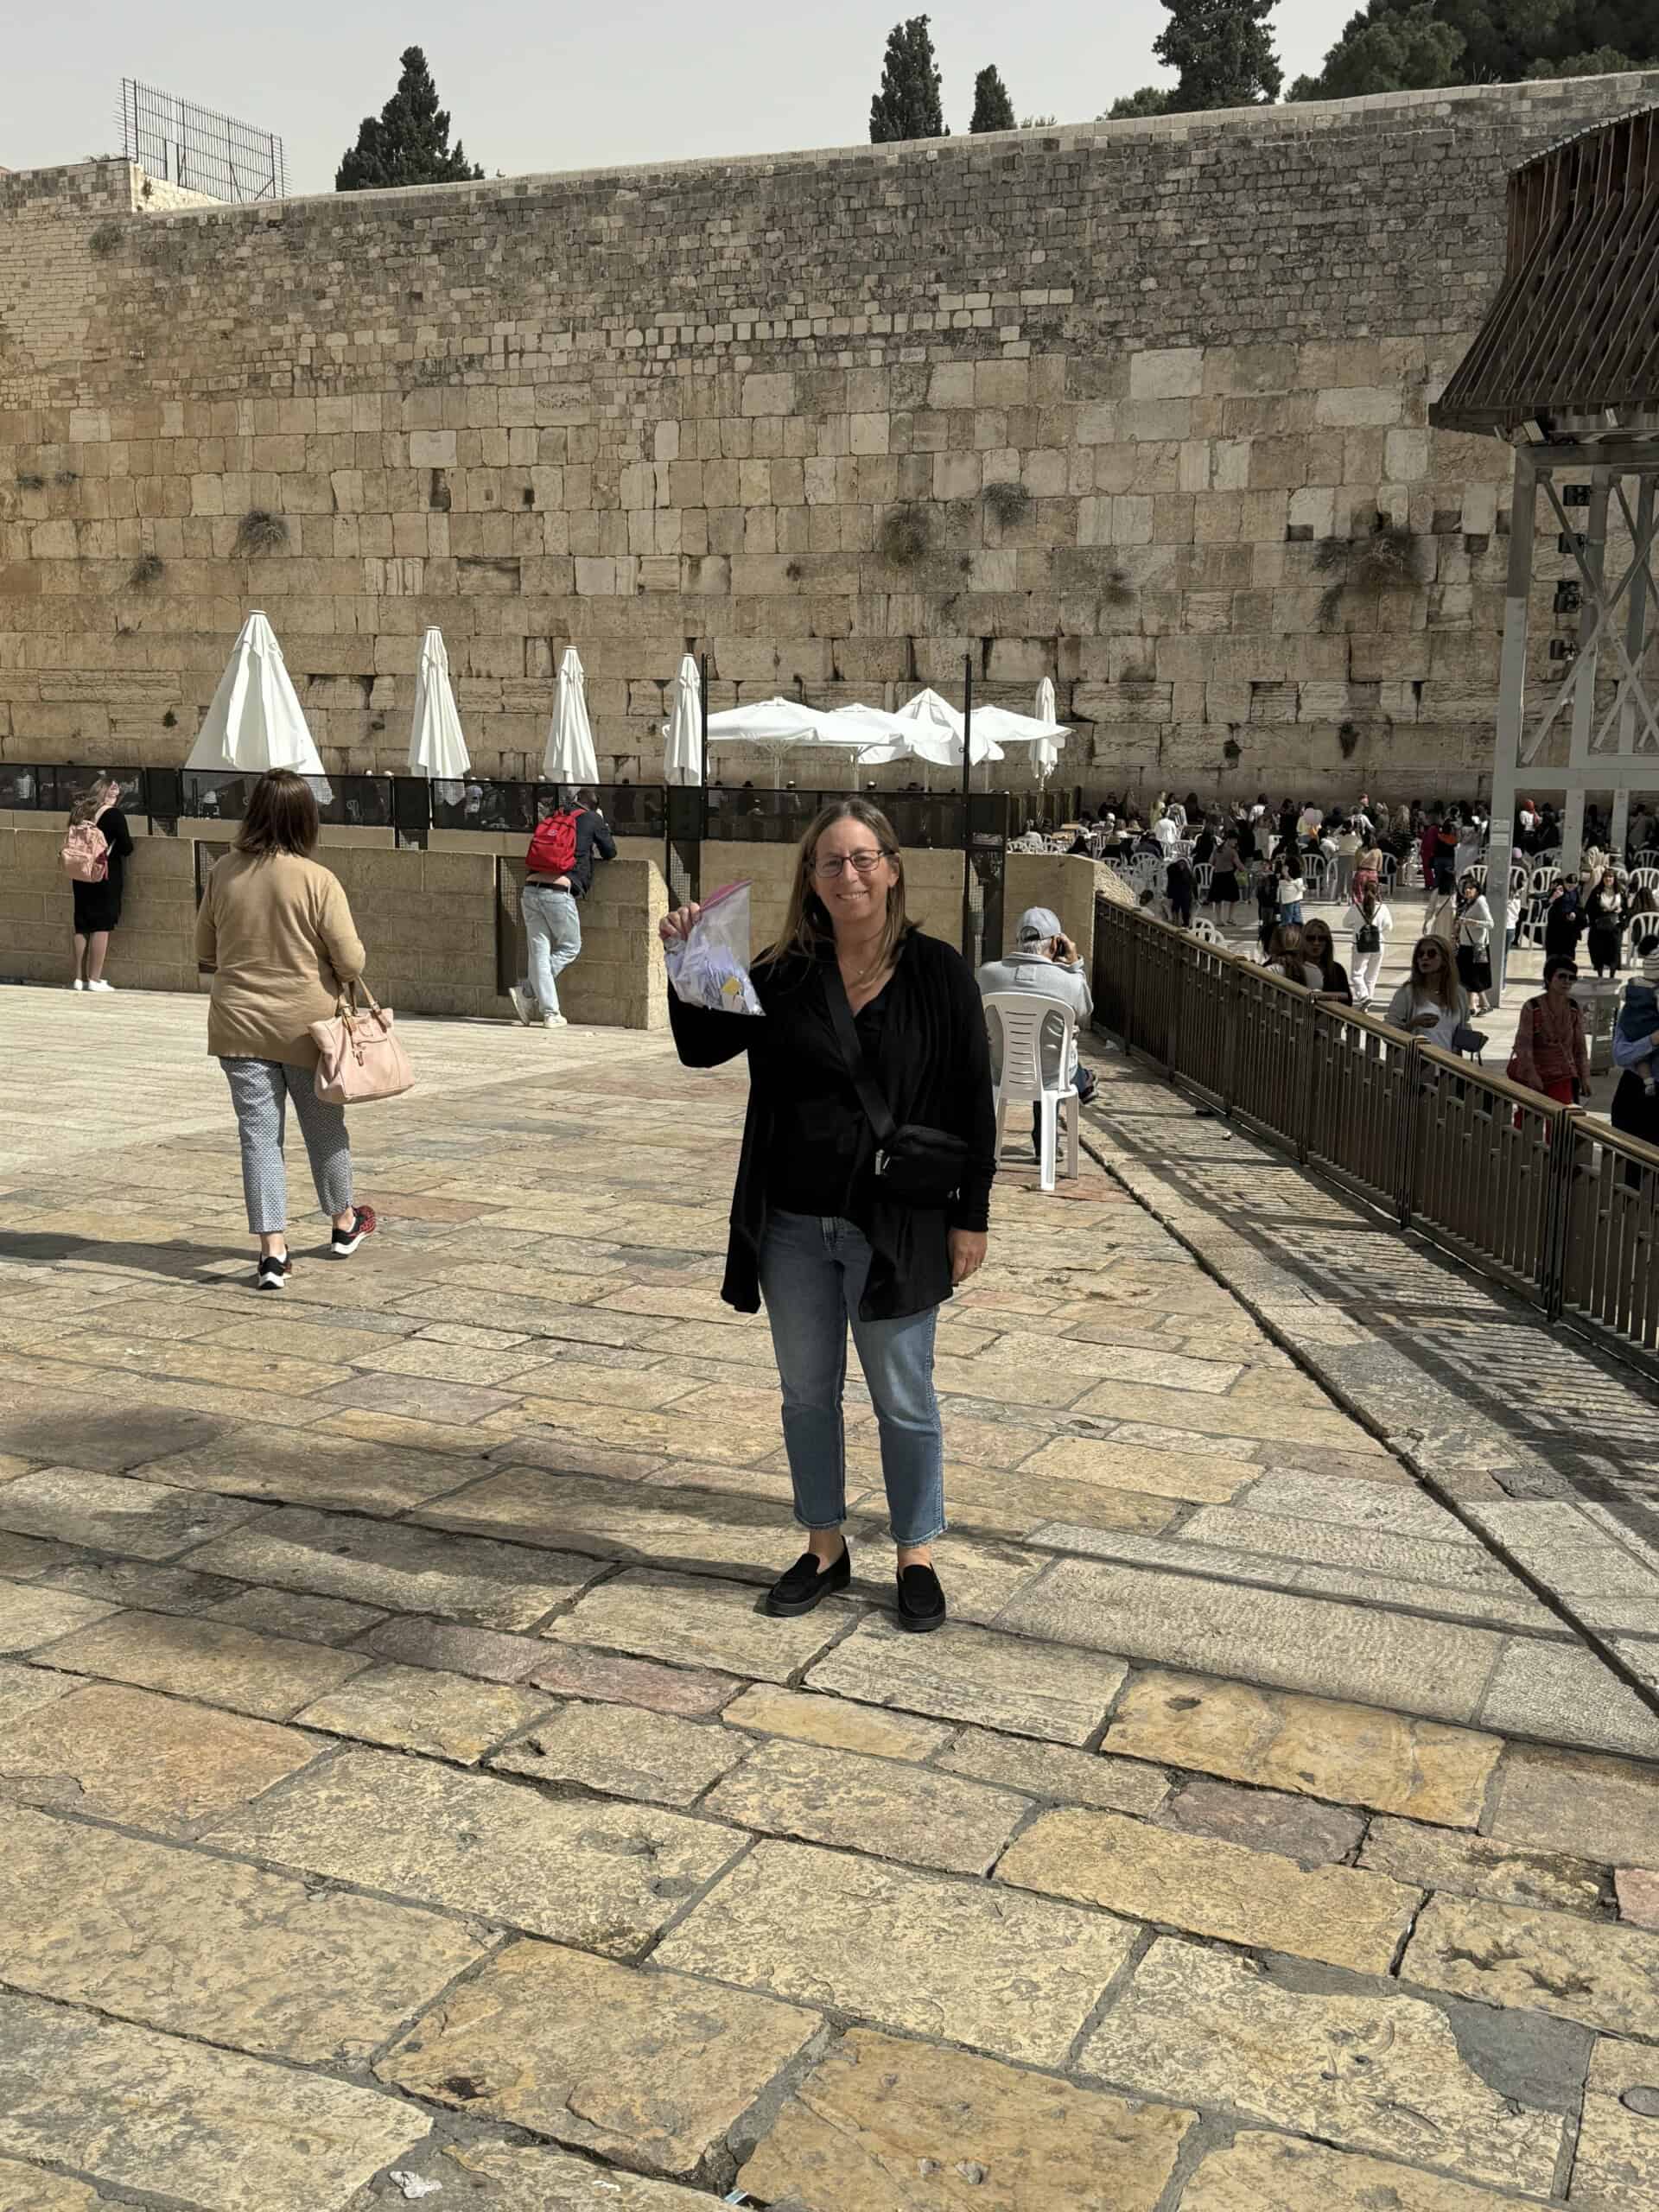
(1644, 879)
(1206, 932)
(1027, 1022)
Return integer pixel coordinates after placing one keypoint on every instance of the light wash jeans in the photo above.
(812, 1274)
(554, 928)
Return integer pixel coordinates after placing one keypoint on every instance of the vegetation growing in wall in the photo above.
(105, 241)
(905, 536)
(259, 532)
(146, 572)
(408, 143)
(1006, 504)
(908, 105)
(1386, 558)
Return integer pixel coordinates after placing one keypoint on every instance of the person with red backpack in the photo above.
(558, 871)
(96, 847)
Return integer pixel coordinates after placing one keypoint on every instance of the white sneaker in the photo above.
(100, 985)
(77, 985)
(554, 1021)
(522, 1005)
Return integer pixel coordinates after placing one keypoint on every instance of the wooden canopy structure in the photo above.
(1567, 369)
(1571, 343)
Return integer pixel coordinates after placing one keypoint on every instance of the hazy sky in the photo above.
(638, 81)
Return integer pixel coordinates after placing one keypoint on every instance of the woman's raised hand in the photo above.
(674, 928)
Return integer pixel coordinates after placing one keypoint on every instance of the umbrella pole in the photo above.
(967, 791)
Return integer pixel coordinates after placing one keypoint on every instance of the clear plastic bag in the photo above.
(710, 968)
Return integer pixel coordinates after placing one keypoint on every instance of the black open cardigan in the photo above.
(933, 1065)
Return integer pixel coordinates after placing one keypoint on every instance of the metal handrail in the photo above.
(1534, 1194)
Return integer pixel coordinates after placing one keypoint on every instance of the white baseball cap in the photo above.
(1038, 923)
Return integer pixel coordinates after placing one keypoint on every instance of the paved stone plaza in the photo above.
(401, 1793)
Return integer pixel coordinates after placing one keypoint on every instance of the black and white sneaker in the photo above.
(345, 1242)
(272, 1273)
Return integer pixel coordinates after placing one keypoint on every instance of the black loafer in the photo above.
(921, 1601)
(804, 1586)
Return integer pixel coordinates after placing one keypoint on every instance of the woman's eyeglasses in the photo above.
(864, 863)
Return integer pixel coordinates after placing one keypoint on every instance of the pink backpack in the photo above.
(86, 854)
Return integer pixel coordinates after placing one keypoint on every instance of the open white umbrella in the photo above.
(569, 757)
(682, 741)
(436, 748)
(929, 728)
(255, 721)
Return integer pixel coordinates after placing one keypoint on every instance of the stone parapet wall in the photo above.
(1088, 403)
(428, 920)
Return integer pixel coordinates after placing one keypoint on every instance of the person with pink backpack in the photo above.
(96, 846)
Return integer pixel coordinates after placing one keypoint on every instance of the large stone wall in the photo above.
(1090, 402)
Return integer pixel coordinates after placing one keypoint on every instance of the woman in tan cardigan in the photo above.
(276, 933)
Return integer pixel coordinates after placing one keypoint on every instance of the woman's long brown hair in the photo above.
(807, 927)
(1445, 992)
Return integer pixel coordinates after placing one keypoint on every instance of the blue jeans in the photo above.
(1291, 915)
(812, 1274)
(554, 928)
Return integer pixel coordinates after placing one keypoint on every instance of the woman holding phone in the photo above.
(863, 1191)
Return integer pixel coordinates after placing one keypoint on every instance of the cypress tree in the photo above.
(1223, 52)
(408, 143)
(907, 105)
(993, 108)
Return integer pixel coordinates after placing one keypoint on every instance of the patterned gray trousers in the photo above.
(260, 1090)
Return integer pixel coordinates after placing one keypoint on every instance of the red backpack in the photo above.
(553, 848)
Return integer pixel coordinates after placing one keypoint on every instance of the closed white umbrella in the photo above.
(436, 748)
(1046, 750)
(255, 721)
(569, 757)
(929, 729)
(682, 741)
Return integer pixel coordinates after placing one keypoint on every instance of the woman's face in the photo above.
(1316, 943)
(1428, 961)
(1560, 985)
(851, 873)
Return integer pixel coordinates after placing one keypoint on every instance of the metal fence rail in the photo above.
(1559, 1208)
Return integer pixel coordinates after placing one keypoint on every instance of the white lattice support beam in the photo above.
(1511, 693)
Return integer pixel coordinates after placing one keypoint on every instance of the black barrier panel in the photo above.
(929, 820)
(682, 858)
(411, 810)
(343, 802)
(987, 828)
(507, 809)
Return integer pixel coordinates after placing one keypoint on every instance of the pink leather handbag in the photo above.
(360, 1057)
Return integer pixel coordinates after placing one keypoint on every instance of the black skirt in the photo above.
(1474, 971)
(1223, 889)
(98, 906)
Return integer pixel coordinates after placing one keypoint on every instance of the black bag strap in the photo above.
(876, 1110)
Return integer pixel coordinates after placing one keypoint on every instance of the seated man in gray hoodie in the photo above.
(1046, 964)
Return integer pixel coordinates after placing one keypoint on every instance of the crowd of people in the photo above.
(863, 1185)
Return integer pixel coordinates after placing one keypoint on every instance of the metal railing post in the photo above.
(1558, 1206)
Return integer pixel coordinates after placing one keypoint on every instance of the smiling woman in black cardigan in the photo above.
(815, 1232)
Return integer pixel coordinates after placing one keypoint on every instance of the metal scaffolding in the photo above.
(1567, 368)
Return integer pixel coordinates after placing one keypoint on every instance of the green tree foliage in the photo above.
(408, 143)
(1151, 100)
(993, 108)
(1222, 51)
(1407, 45)
(907, 105)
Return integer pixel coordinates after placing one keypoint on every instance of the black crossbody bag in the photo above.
(915, 1166)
